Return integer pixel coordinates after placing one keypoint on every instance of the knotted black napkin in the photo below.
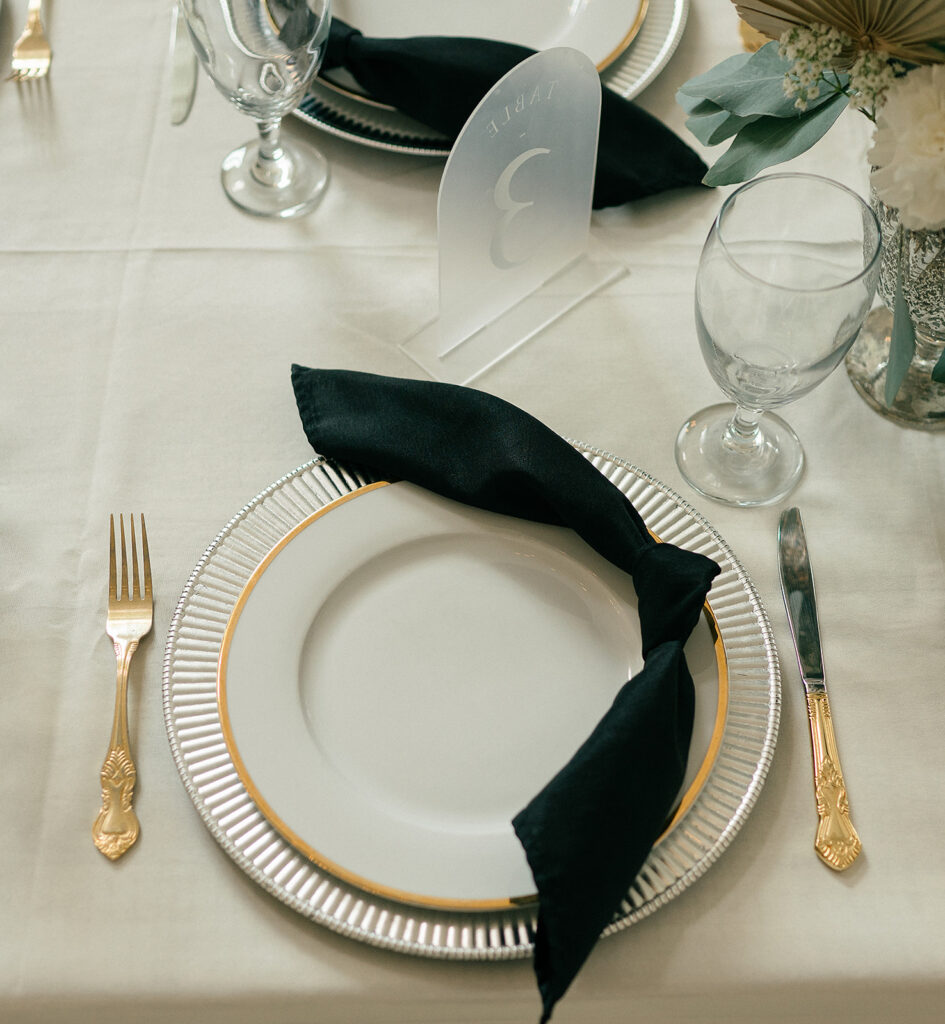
(440, 80)
(588, 832)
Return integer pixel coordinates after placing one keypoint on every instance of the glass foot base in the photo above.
(920, 401)
(290, 185)
(725, 468)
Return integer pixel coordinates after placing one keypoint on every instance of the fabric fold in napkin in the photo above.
(440, 80)
(590, 829)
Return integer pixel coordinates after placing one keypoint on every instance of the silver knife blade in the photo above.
(797, 587)
(836, 842)
(183, 69)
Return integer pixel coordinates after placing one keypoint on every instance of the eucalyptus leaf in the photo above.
(901, 343)
(711, 129)
(772, 140)
(699, 85)
(938, 371)
(708, 121)
(755, 86)
(695, 106)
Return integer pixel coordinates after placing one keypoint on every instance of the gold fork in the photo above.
(31, 52)
(130, 613)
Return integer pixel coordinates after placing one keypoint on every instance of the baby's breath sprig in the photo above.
(872, 74)
(813, 52)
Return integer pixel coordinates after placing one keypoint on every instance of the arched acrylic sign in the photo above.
(514, 213)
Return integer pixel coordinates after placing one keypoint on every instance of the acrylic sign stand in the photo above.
(513, 217)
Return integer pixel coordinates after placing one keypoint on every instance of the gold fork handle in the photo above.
(116, 827)
(837, 843)
(34, 14)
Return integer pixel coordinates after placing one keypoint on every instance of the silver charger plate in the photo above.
(192, 718)
(360, 119)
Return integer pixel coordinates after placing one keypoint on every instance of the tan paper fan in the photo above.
(901, 28)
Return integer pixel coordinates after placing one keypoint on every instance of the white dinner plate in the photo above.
(402, 673)
(630, 43)
(602, 29)
(301, 712)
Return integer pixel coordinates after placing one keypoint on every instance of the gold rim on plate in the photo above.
(370, 885)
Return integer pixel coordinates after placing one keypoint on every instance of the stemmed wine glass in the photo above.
(786, 276)
(262, 55)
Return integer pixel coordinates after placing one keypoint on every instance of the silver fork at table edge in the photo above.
(130, 615)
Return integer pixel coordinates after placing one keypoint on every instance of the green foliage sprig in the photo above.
(744, 99)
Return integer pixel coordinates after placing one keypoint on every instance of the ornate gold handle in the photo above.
(836, 842)
(116, 827)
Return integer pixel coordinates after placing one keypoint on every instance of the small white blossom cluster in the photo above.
(870, 77)
(811, 50)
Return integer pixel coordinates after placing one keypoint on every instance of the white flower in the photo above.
(909, 149)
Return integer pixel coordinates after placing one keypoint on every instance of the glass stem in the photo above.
(743, 434)
(272, 167)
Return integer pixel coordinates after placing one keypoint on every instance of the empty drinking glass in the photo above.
(786, 276)
(262, 55)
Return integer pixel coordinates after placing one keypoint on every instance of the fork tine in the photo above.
(112, 574)
(135, 580)
(124, 560)
(146, 556)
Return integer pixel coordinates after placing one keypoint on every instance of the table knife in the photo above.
(183, 69)
(836, 842)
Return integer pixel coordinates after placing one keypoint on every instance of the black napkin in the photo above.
(588, 832)
(439, 81)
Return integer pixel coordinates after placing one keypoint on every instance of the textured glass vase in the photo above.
(920, 401)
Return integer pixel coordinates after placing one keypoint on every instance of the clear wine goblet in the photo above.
(262, 55)
(785, 278)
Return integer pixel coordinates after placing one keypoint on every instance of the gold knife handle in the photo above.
(836, 842)
(116, 827)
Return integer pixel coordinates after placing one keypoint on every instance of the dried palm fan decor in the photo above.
(903, 29)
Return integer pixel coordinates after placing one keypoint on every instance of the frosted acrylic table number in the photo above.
(513, 217)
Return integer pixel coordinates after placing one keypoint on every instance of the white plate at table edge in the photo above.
(362, 120)
(239, 826)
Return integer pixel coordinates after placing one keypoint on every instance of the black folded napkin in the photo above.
(439, 81)
(588, 832)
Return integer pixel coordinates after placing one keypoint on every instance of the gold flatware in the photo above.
(31, 52)
(130, 614)
(836, 842)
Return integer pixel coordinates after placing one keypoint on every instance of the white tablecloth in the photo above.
(146, 333)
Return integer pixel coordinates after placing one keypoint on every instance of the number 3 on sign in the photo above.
(514, 205)
(502, 196)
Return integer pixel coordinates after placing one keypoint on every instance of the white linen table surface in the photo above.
(146, 333)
